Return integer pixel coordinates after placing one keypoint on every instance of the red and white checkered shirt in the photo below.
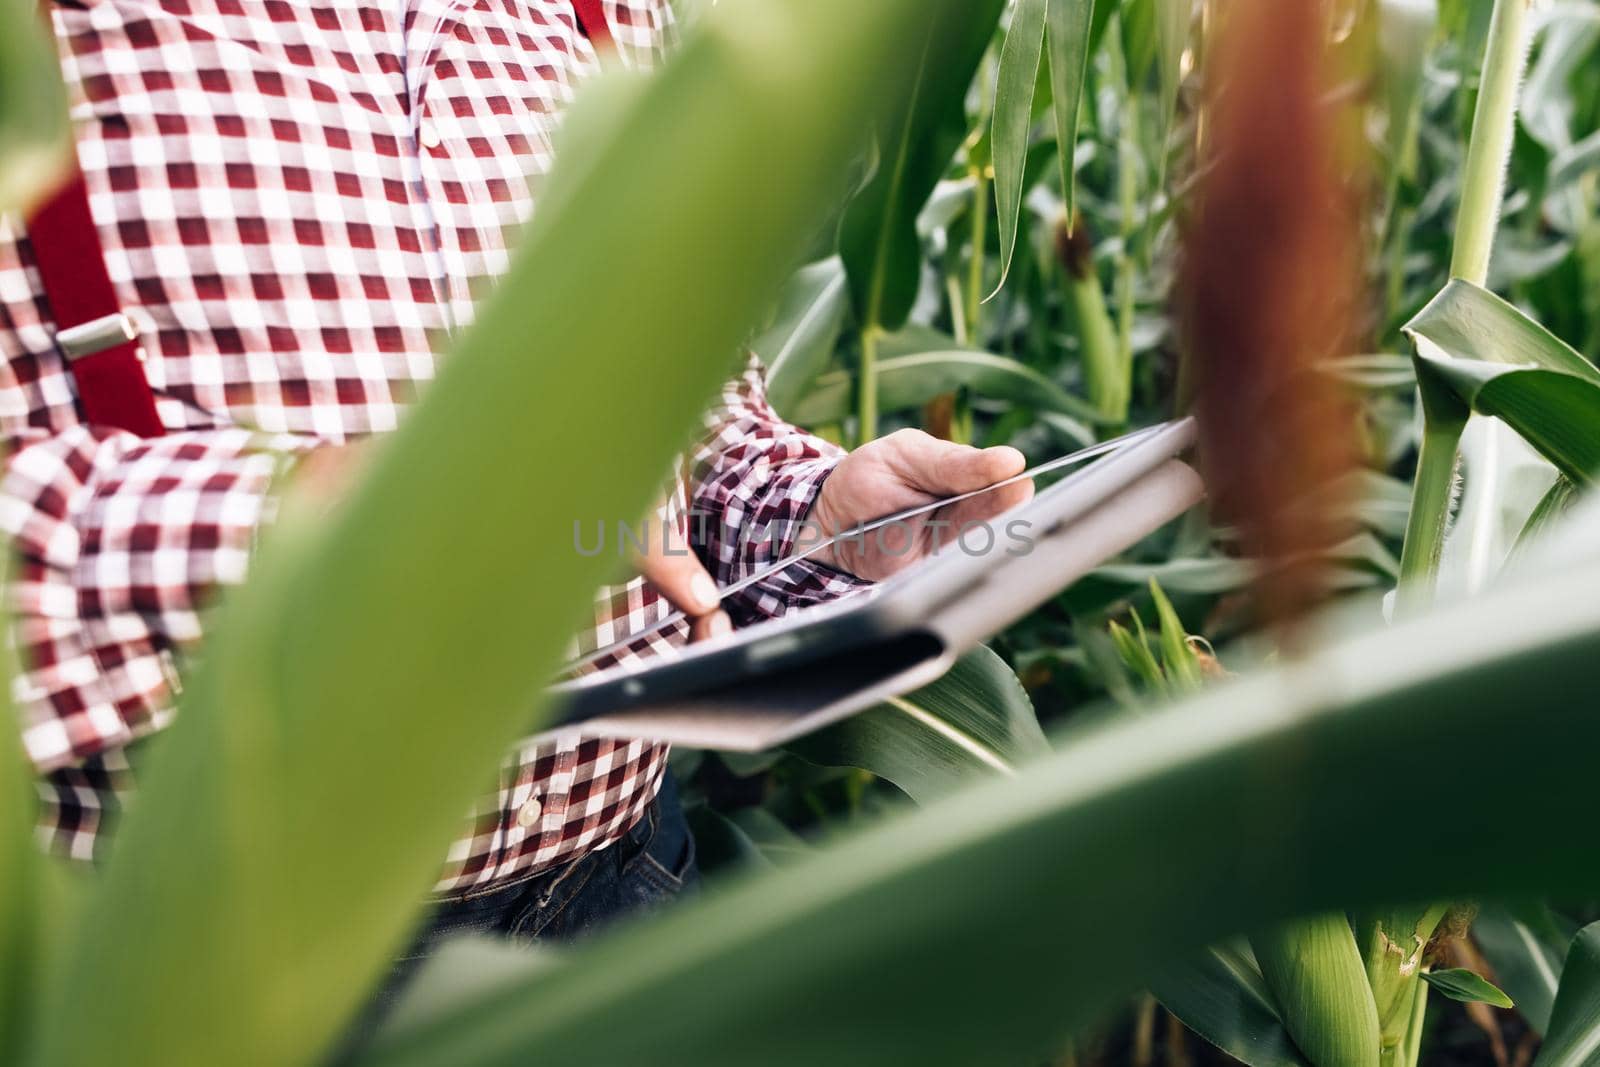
(299, 200)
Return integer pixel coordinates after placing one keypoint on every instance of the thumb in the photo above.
(945, 469)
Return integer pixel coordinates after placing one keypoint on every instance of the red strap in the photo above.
(592, 21)
(112, 387)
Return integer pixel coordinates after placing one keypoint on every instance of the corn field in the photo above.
(1299, 780)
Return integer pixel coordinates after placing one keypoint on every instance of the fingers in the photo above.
(679, 576)
(717, 624)
(942, 468)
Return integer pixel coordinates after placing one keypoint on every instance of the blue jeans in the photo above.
(651, 864)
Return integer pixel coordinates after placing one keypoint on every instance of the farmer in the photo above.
(286, 207)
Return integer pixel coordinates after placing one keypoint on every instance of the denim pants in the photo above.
(652, 863)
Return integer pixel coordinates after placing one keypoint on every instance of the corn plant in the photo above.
(989, 195)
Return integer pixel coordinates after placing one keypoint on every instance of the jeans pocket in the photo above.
(667, 865)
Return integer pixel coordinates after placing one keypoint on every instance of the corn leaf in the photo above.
(799, 344)
(1573, 162)
(1013, 119)
(1178, 660)
(1136, 656)
(907, 382)
(1068, 30)
(1458, 983)
(1552, 507)
(878, 234)
(1527, 957)
(1467, 322)
(1405, 32)
(1553, 411)
(19, 904)
(348, 683)
(1573, 1038)
(1221, 996)
(1475, 352)
(975, 720)
(1266, 792)
(34, 144)
(1137, 20)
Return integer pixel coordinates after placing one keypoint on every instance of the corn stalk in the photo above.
(1483, 188)
(1396, 941)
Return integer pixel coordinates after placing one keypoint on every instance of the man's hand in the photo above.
(904, 470)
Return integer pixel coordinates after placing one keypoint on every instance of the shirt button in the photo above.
(529, 813)
(429, 135)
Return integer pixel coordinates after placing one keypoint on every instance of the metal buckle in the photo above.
(97, 335)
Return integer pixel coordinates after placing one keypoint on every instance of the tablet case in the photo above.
(752, 714)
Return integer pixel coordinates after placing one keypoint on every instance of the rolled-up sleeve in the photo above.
(754, 480)
(120, 544)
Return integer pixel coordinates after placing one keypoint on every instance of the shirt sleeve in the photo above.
(120, 543)
(754, 480)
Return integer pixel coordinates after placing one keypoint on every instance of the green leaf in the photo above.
(1103, 10)
(351, 687)
(1221, 996)
(1067, 35)
(1266, 792)
(34, 144)
(1138, 26)
(1405, 32)
(1458, 983)
(1527, 958)
(1375, 373)
(1136, 656)
(1480, 353)
(777, 843)
(1553, 411)
(1573, 1038)
(464, 968)
(908, 382)
(1550, 510)
(20, 904)
(975, 720)
(1467, 322)
(1172, 36)
(1013, 119)
(1574, 162)
(799, 344)
(1178, 660)
(878, 234)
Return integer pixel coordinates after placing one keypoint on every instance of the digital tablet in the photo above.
(776, 680)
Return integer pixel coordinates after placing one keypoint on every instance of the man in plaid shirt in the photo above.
(298, 202)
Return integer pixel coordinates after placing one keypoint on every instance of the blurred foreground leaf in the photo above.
(1266, 793)
(33, 108)
(373, 669)
(21, 864)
